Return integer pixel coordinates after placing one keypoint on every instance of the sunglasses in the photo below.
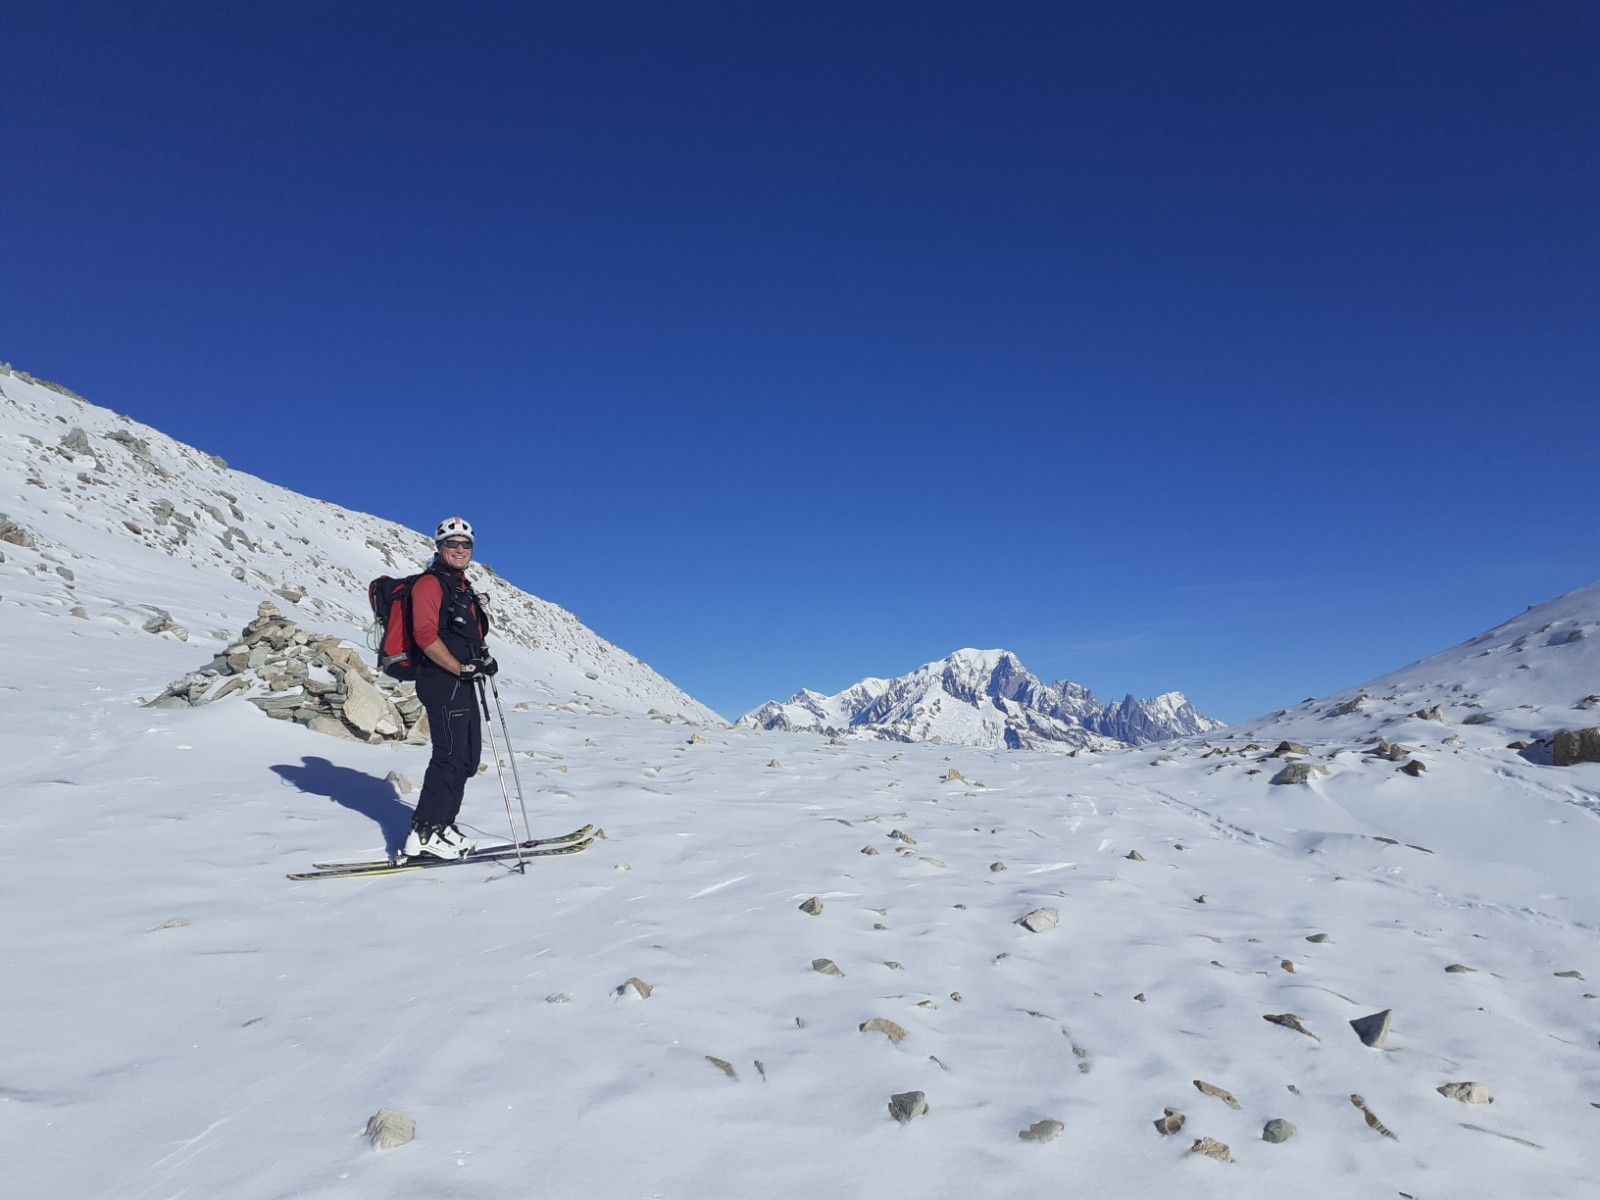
(456, 545)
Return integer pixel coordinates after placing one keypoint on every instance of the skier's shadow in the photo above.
(357, 791)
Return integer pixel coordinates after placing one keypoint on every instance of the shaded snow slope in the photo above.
(128, 521)
(983, 698)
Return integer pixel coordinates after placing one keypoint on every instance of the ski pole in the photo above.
(511, 754)
(483, 699)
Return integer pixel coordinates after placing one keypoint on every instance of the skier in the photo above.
(449, 626)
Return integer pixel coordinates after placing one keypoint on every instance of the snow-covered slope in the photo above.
(126, 521)
(983, 698)
(182, 1020)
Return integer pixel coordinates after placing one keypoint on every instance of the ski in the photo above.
(403, 865)
(480, 851)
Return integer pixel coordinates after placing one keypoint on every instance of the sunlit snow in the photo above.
(182, 1020)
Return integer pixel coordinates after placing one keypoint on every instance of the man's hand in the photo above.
(484, 664)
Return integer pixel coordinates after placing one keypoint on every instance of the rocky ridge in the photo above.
(102, 514)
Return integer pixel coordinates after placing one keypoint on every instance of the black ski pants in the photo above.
(457, 733)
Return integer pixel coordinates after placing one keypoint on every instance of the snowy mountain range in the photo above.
(983, 698)
(795, 965)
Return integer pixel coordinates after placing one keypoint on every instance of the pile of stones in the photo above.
(316, 680)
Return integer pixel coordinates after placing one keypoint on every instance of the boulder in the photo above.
(1373, 1030)
(1277, 1130)
(1042, 1131)
(388, 1129)
(1576, 746)
(16, 535)
(907, 1106)
(883, 1025)
(1039, 920)
(1467, 1092)
(366, 708)
(1298, 772)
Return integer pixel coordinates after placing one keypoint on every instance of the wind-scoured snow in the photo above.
(983, 698)
(182, 1020)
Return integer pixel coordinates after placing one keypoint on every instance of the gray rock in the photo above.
(388, 1129)
(162, 623)
(997, 867)
(1319, 937)
(1290, 1021)
(1277, 1130)
(1467, 1092)
(1211, 1089)
(1432, 713)
(1171, 1122)
(1298, 772)
(1133, 856)
(16, 535)
(76, 441)
(635, 987)
(366, 708)
(812, 906)
(233, 685)
(330, 726)
(826, 966)
(883, 1025)
(1042, 1131)
(1211, 1148)
(1413, 768)
(401, 783)
(1289, 748)
(1576, 746)
(1391, 750)
(907, 1106)
(1039, 920)
(1373, 1030)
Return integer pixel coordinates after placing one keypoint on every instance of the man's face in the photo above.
(456, 552)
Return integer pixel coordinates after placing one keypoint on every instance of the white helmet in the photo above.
(452, 527)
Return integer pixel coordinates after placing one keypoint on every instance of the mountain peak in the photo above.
(983, 698)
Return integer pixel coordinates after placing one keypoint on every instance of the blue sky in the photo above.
(1248, 349)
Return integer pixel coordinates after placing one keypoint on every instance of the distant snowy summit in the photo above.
(983, 698)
